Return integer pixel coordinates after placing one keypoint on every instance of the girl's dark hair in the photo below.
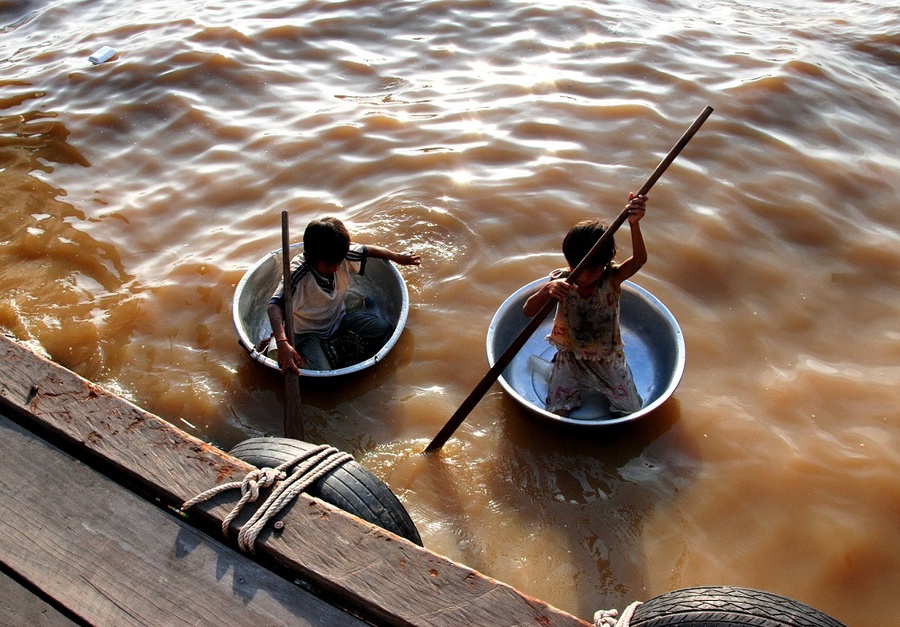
(582, 237)
(326, 239)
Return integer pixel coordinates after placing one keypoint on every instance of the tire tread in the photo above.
(726, 606)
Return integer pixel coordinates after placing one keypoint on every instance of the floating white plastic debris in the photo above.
(104, 54)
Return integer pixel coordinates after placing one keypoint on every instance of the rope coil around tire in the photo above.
(310, 466)
(607, 618)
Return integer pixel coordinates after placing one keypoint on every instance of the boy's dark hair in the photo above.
(326, 239)
(581, 238)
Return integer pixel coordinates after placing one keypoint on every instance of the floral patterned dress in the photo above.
(590, 352)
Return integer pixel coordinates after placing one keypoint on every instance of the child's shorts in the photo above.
(611, 377)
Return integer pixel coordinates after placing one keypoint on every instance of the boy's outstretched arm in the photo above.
(637, 206)
(404, 259)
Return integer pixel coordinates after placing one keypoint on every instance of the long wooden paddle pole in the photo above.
(293, 419)
(504, 360)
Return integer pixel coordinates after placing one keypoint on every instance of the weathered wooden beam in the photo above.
(381, 576)
(113, 559)
(20, 606)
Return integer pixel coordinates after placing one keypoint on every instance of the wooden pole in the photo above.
(293, 418)
(504, 360)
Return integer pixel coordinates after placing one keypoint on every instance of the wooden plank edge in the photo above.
(110, 558)
(361, 566)
(21, 604)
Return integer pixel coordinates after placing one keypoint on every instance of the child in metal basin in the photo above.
(590, 352)
(320, 276)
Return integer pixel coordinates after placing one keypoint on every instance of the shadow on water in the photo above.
(593, 489)
(348, 412)
(555, 490)
(565, 504)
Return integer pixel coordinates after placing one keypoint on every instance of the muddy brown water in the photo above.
(134, 194)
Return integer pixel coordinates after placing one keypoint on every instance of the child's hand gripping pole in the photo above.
(293, 418)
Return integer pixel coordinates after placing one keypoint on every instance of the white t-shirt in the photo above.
(319, 301)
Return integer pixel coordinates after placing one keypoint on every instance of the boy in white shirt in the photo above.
(320, 276)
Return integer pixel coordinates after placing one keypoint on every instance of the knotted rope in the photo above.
(311, 466)
(607, 618)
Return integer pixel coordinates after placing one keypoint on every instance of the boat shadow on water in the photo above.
(324, 399)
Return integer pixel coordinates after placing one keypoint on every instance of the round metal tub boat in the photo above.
(381, 288)
(654, 348)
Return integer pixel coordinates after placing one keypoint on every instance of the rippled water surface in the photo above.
(134, 194)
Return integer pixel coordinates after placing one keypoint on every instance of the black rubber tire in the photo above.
(725, 606)
(350, 487)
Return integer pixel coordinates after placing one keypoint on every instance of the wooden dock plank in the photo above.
(383, 577)
(19, 607)
(112, 558)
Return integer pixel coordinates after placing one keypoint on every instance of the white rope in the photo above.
(311, 466)
(250, 486)
(607, 618)
(324, 460)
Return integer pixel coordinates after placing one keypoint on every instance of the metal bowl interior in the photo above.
(654, 348)
(382, 283)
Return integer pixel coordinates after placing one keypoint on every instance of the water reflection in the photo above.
(56, 276)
